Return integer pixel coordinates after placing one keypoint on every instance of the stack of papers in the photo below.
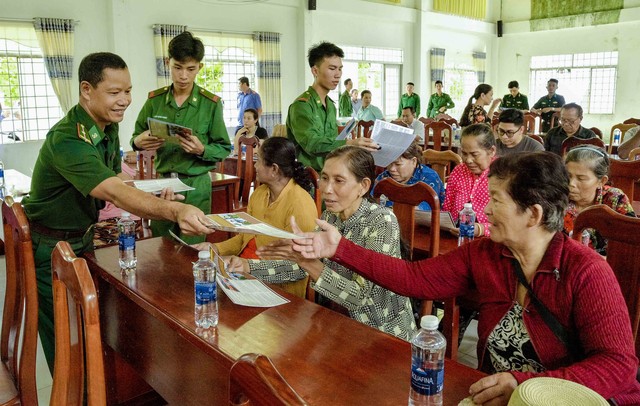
(244, 223)
(156, 185)
(249, 292)
(394, 140)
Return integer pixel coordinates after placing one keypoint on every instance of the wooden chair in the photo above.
(624, 175)
(364, 128)
(439, 128)
(315, 179)
(146, 160)
(405, 199)
(597, 131)
(77, 328)
(20, 313)
(635, 121)
(451, 121)
(623, 129)
(443, 117)
(623, 253)
(572, 142)
(634, 154)
(536, 137)
(245, 170)
(555, 119)
(529, 124)
(255, 381)
(441, 161)
(425, 120)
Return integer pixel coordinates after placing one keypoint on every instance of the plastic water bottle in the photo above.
(456, 134)
(3, 185)
(127, 241)
(617, 134)
(206, 295)
(585, 238)
(427, 364)
(383, 200)
(467, 220)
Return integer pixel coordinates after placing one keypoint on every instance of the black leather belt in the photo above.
(57, 234)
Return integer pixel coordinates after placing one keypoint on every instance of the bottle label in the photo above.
(205, 292)
(426, 381)
(127, 242)
(467, 230)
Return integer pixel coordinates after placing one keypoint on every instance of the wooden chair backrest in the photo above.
(443, 116)
(146, 169)
(442, 133)
(364, 128)
(624, 175)
(572, 142)
(255, 381)
(555, 119)
(623, 253)
(19, 340)
(529, 124)
(77, 329)
(315, 180)
(634, 154)
(536, 137)
(440, 161)
(425, 120)
(451, 121)
(245, 171)
(635, 121)
(596, 131)
(623, 129)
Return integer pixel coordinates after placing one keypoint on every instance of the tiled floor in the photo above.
(43, 377)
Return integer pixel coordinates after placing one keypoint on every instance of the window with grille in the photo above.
(29, 105)
(227, 58)
(587, 79)
(460, 81)
(374, 69)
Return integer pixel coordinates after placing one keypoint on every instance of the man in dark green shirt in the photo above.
(515, 99)
(187, 104)
(549, 104)
(346, 108)
(78, 169)
(311, 120)
(439, 102)
(409, 99)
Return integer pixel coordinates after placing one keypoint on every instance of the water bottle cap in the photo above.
(204, 255)
(429, 322)
(125, 215)
(468, 206)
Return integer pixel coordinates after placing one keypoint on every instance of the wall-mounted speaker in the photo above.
(312, 4)
(498, 26)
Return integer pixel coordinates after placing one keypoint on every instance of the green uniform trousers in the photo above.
(200, 197)
(43, 247)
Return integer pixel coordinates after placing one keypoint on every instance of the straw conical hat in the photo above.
(554, 391)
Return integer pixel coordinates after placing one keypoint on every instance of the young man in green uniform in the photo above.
(311, 120)
(515, 99)
(409, 99)
(346, 108)
(78, 169)
(439, 102)
(549, 104)
(188, 105)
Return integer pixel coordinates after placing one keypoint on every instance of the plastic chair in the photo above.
(623, 129)
(77, 328)
(364, 128)
(441, 161)
(623, 253)
(255, 381)
(439, 128)
(405, 200)
(246, 172)
(20, 314)
(624, 175)
(572, 142)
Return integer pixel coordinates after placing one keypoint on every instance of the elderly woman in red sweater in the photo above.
(529, 194)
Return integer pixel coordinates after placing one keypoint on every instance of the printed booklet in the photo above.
(244, 223)
(167, 131)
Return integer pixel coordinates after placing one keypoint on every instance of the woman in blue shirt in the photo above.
(409, 169)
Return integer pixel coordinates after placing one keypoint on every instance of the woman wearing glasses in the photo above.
(511, 137)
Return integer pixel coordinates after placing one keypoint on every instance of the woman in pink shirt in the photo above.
(468, 183)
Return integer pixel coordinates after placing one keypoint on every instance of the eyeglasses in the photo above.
(569, 122)
(509, 134)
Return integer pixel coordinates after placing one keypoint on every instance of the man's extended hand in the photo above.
(147, 142)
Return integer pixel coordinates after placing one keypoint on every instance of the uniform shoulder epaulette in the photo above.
(83, 134)
(213, 97)
(158, 92)
(304, 97)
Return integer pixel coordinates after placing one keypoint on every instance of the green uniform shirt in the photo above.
(519, 102)
(436, 102)
(75, 158)
(346, 108)
(313, 128)
(406, 101)
(554, 101)
(202, 112)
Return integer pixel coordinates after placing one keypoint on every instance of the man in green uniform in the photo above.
(409, 99)
(549, 104)
(189, 105)
(439, 102)
(346, 108)
(515, 99)
(78, 169)
(311, 120)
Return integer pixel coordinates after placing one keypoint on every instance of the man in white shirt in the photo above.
(368, 112)
(409, 118)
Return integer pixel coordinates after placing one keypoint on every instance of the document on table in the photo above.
(156, 185)
(393, 139)
(423, 218)
(249, 292)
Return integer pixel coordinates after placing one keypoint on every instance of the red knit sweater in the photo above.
(583, 294)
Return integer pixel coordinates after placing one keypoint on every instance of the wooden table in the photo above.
(326, 357)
